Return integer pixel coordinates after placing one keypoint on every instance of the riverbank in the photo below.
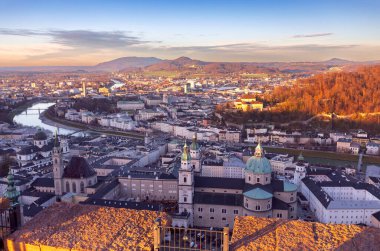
(8, 115)
(49, 119)
(325, 155)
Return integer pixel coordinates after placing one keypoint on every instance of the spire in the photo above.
(300, 157)
(56, 142)
(185, 153)
(259, 152)
(194, 145)
(11, 192)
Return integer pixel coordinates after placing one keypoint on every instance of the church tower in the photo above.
(300, 172)
(57, 166)
(65, 145)
(195, 153)
(186, 184)
(11, 193)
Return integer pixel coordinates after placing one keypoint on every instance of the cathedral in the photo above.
(215, 201)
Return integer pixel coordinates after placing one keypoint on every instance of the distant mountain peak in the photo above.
(127, 62)
(338, 61)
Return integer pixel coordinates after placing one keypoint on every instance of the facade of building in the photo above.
(215, 201)
(336, 198)
(74, 177)
(130, 105)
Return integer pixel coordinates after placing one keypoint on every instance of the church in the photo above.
(74, 177)
(215, 201)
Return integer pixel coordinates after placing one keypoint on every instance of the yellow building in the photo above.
(104, 91)
(248, 102)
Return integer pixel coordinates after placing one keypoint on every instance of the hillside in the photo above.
(185, 65)
(126, 63)
(342, 93)
(181, 63)
(188, 65)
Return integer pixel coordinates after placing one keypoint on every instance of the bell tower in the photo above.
(300, 172)
(186, 184)
(195, 153)
(57, 166)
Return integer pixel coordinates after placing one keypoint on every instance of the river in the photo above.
(31, 117)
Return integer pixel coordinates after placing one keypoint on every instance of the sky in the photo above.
(78, 32)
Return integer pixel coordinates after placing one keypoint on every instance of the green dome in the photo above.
(194, 145)
(258, 163)
(289, 187)
(258, 194)
(40, 135)
(300, 157)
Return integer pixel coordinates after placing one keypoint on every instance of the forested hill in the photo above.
(342, 93)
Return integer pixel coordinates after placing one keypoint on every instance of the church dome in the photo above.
(258, 194)
(258, 163)
(40, 135)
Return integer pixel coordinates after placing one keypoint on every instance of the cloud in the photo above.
(254, 47)
(81, 38)
(87, 47)
(313, 35)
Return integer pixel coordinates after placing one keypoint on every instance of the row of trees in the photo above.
(96, 105)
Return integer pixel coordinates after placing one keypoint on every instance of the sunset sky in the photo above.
(88, 32)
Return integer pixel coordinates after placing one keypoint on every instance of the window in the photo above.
(89, 183)
(200, 209)
(236, 211)
(55, 161)
(74, 187)
(268, 206)
(279, 215)
(266, 178)
(258, 180)
(184, 199)
(211, 210)
(200, 217)
(249, 178)
(257, 207)
(67, 187)
(224, 211)
(184, 179)
(291, 198)
(211, 218)
(81, 187)
(223, 219)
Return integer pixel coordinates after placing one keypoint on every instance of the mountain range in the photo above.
(185, 64)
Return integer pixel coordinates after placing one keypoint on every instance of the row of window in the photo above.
(212, 218)
(257, 179)
(257, 207)
(347, 217)
(224, 211)
(74, 187)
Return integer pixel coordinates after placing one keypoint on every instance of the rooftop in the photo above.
(87, 227)
(251, 233)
